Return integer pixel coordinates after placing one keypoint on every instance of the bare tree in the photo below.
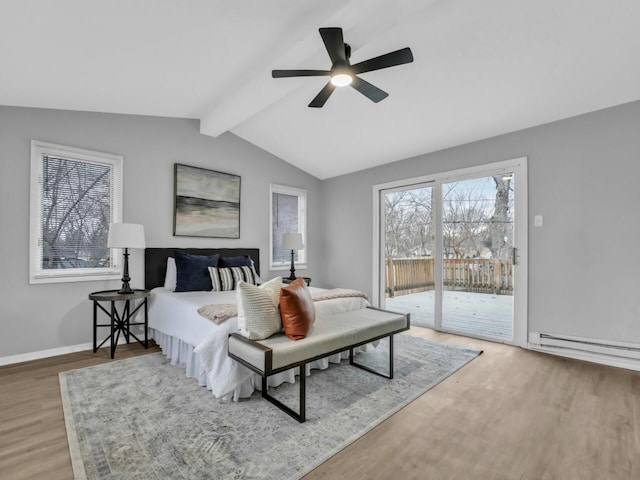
(472, 220)
(408, 223)
(76, 213)
(464, 221)
(501, 240)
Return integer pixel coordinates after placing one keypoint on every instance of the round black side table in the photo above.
(119, 321)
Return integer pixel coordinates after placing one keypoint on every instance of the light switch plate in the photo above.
(538, 221)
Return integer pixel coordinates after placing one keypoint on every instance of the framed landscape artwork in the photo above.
(207, 203)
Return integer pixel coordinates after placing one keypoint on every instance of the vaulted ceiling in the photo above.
(482, 68)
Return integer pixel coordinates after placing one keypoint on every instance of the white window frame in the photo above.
(36, 273)
(301, 262)
(517, 166)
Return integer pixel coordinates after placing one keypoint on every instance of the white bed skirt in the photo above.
(182, 354)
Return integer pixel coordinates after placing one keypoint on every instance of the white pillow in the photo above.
(171, 277)
(256, 277)
(258, 314)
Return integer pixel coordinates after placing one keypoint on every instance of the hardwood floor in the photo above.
(33, 439)
(509, 414)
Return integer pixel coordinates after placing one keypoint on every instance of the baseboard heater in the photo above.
(602, 351)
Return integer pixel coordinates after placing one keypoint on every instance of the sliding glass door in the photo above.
(409, 251)
(450, 251)
(477, 256)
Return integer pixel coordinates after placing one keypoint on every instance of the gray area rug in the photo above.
(142, 418)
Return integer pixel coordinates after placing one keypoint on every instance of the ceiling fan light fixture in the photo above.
(341, 79)
(343, 73)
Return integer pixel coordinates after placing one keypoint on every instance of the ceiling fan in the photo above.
(342, 73)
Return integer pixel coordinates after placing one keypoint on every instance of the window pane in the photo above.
(75, 195)
(285, 220)
(288, 215)
(76, 212)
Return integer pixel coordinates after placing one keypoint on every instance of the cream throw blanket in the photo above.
(219, 312)
(338, 293)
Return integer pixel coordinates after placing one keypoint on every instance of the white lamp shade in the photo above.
(292, 241)
(126, 235)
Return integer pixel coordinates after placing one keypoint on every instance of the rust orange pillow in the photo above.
(297, 309)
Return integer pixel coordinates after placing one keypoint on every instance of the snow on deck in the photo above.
(476, 314)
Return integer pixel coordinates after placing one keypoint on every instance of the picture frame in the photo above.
(206, 203)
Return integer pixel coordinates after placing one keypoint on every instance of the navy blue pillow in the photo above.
(192, 271)
(243, 261)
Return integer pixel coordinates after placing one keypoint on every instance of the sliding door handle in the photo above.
(514, 255)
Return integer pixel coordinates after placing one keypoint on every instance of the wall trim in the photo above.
(603, 359)
(51, 352)
(606, 352)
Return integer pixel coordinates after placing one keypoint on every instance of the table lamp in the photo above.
(292, 241)
(125, 236)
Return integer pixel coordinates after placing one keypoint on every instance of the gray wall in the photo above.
(583, 174)
(46, 316)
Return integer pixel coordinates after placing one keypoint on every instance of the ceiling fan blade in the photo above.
(399, 57)
(334, 42)
(372, 92)
(299, 73)
(323, 96)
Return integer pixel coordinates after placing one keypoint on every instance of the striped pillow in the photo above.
(225, 279)
(258, 315)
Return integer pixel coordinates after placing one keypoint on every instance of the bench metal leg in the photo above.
(371, 370)
(300, 417)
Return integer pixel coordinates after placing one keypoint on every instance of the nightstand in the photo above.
(119, 322)
(306, 279)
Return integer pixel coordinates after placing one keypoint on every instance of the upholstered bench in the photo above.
(332, 334)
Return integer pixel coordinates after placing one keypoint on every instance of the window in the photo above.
(288, 215)
(75, 194)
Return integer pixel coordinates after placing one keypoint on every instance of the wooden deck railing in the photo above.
(413, 275)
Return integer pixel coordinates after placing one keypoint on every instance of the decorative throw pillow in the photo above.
(221, 279)
(258, 316)
(226, 279)
(251, 272)
(242, 274)
(243, 261)
(297, 309)
(256, 277)
(191, 271)
(170, 277)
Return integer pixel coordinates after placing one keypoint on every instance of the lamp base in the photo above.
(292, 270)
(126, 288)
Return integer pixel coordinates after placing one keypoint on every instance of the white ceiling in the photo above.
(482, 68)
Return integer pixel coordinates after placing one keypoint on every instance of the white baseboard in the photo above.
(606, 352)
(52, 352)
(620, 362)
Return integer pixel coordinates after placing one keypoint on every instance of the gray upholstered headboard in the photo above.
(155, 260)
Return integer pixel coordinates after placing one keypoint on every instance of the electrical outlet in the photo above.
(538, 221)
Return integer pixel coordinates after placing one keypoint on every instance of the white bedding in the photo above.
(200, 346)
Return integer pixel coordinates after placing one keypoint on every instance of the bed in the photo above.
(199, 345)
